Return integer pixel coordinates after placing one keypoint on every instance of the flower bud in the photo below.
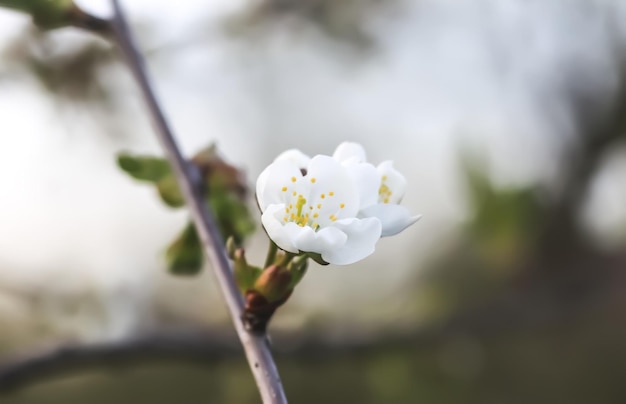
(274, 283)
(270, 291)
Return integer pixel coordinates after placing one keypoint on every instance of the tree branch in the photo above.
(256, 347)
(193, 348)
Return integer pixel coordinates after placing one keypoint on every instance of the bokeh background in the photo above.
(506, 116)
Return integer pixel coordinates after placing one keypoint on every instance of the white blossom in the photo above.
(336, 206)
(382, 189)
(314, 209)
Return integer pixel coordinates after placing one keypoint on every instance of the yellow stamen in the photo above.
(384, 192)
(293, 179)
(313, 180)
(284, 189)
(301, 202)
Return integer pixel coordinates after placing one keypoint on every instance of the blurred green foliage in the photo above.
(504, 221)
(225, 191)
(46, 13)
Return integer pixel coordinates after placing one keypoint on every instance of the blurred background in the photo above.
(506, 116)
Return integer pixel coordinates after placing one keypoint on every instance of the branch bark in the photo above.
(256, 347)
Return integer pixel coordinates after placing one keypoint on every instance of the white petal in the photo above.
(362, 237)
(394, 218)
(367, 180)
(298, 158)
(293, 238)
(394, 180)
(332, 190)
(351, 153)
(284, 235)
(276, 183)
(319, 242)
(261, 183)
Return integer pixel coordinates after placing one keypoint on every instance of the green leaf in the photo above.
(154, 170)
(233, 216)
(245, 274)
(170, 192)
(144, 168)
(184, 256)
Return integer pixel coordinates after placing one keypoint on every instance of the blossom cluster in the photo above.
(336, 206)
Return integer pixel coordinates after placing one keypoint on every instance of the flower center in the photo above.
(314, 210)
(384, 192)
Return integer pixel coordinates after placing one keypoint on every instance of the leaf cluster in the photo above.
(224, 191)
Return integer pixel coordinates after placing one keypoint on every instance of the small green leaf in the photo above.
(170, 192)
(184, 256)
(144, 168)
(245, 274)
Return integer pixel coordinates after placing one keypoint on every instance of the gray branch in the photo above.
(256, 347)
(201, 348)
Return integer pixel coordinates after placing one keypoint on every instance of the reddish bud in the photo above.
(270, 291)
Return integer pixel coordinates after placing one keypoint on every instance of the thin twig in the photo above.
(256, 347)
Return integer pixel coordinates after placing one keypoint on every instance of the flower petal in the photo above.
(295, 156)
(277, 182)
(327, 239)
(350, 153)
(332, 191)
(293, 238)
(284, 235)
(362, 237)
(394, 218)
(394, 182)
(367, 180)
